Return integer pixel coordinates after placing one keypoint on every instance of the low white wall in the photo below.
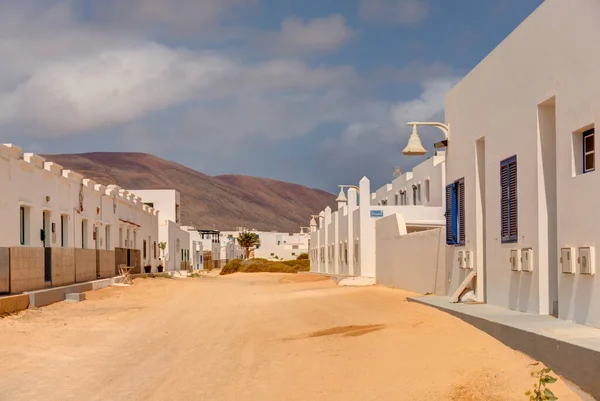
(413, 262)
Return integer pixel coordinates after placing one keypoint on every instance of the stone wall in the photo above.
(85, 265)
(26, 269)
(63, 266)
(106, 264)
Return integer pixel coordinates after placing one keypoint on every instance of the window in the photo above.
(427, 191)
(149, 204)
(177, 214)
(84, 226)
(64, 230)
(293, 254)
(419, 193)
(397, 200)
(107, 237)
(589, 151)
(346, 252)
(120, 237)
(296, 246)
(24, 222)
(145, 252)
(508, 184)
(154, 249)
(455, 213)
(272, 254)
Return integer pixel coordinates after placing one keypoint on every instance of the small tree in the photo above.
(162, 246)
(248, 240)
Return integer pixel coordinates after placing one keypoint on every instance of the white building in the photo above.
(273, 245)
(177, 254)
(343, 242)
(522, 153)
(59, 228)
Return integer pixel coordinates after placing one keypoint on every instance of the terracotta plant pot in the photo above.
(161, 269)
(147, 269)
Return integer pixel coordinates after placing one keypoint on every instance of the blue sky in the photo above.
(316, 92)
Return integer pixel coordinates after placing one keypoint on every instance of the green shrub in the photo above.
(302, 256)
(233, 266)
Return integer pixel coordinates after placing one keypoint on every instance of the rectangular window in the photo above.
(23, 223)
(145, 251)
(397, 200)
(107, 237)
(419, 193)
(120, 237)
(589, 151)
(427, 191)
(154, 249)
(455, 213)
(509, 207)
(84, 234)
(64, 230)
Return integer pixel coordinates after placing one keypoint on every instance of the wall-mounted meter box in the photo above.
(515, 260)
(461, 259)
(527, 260)
(468, 259)
(567, 260)
(586, 260)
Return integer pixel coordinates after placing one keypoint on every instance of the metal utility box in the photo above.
(567, 260)
(468, 259)
(527, 260)
(515, 260)
(461, 259)
(586, 260)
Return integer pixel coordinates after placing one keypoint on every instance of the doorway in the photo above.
(480, 220)
(548, 237)
(45, 236)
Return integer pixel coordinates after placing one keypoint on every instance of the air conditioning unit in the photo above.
(586, 261)
(567, 260)
(515, 260)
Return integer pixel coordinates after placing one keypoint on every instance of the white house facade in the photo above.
(521, 166)
(60, 228)
(343, 241)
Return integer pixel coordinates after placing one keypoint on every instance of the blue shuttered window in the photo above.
(455, 213)
(508, 201)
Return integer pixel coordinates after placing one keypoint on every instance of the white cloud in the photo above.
(399, 11)
(429, 103)
(319, 34)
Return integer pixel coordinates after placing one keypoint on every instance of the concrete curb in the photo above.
(574, 363)
(13, 303)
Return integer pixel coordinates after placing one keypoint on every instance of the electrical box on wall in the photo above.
(586, 260)
(567, 260)
(527, 260)
(461, 259)
(468, 259)
(515, 260)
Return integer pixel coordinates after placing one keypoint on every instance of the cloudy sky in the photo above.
(316, 92)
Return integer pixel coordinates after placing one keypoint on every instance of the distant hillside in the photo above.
(222, 202)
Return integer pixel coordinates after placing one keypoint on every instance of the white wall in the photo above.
(284, 246)
(30, 181)
(166, 200)
(412, 262)
(429, 173)
(529, 98)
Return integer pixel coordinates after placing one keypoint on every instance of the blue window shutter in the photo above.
(450, 227)
(460, 189)
(508, 201)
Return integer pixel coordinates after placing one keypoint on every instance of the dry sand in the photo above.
(254, 337)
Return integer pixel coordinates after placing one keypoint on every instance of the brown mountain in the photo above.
(221, 202)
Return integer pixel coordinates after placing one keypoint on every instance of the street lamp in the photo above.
(415, 147)
(342, 196)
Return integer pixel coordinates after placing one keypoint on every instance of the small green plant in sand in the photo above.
(540, 391)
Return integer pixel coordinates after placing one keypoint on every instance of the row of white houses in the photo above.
(59, 227)
(519, 197)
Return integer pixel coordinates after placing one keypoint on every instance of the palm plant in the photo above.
(248, 240)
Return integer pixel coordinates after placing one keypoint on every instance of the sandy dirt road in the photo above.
(254, 337)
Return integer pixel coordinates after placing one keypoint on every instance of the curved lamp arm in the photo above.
(443, 127)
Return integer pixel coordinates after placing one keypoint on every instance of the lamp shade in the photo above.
(342, 196)
(414, 147)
